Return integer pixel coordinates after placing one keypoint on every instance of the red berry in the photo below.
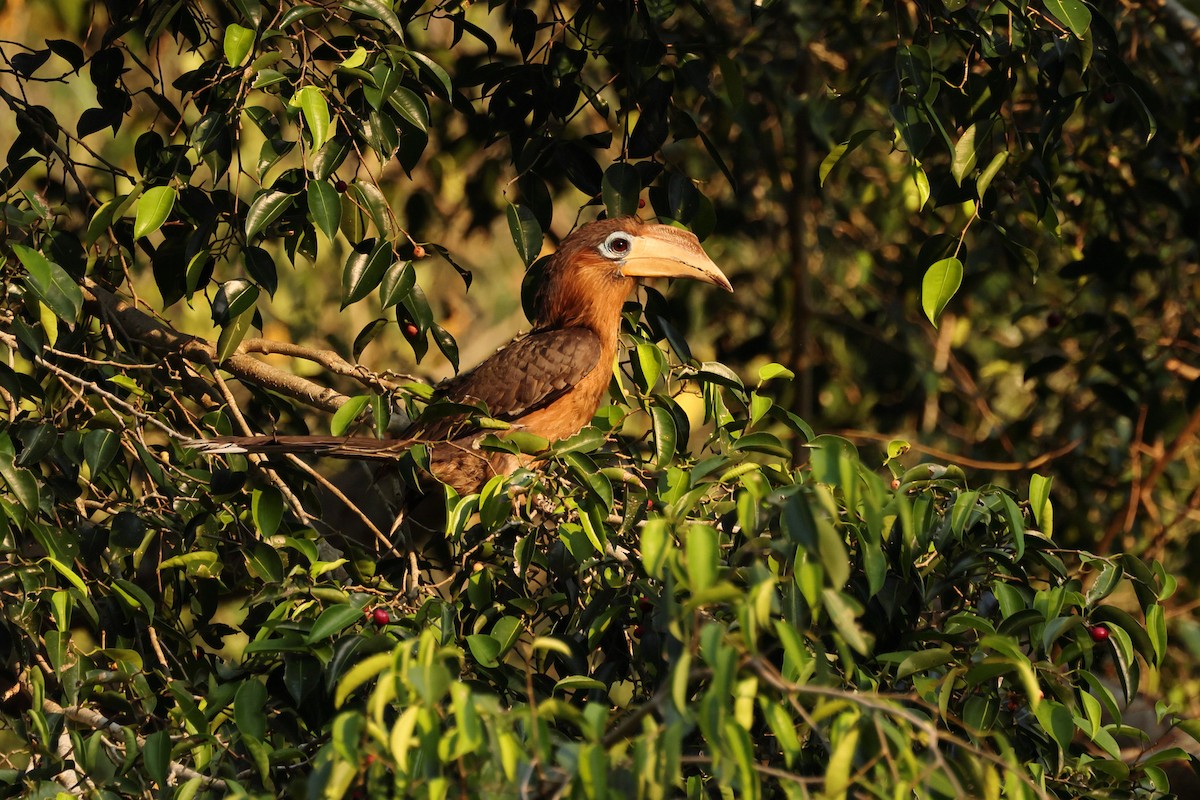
(381, 617)
(1109, 96)
(370, 759)
(645, 604)
(638, 630)
(341, 187)
(418, 251)
(1099, 633)
(411, 330)
(1054, 319)
(641, 202)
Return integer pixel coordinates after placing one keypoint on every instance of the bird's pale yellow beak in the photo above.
(662, 251)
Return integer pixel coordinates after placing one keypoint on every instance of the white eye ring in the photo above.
(617, 245)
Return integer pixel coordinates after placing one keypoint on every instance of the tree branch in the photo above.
(99, 722)
(150, 333)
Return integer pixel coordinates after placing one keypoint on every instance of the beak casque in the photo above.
(662, 251)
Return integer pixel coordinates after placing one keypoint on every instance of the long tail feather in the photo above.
(362, 447)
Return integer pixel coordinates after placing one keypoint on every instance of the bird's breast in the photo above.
(568, 414)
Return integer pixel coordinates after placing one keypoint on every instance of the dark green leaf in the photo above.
(324, 207)
(249, 707)
(621, 189)
(526, 233)
(397, 282)
(100, 448)
(365, 269)
(379, 10)
(266, 208)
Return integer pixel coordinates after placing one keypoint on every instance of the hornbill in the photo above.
(548, 382)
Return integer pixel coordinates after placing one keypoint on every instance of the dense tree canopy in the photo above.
(910, 512)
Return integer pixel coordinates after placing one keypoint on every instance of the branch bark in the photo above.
(162, 340)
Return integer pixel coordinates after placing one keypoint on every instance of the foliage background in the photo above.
(830, 154)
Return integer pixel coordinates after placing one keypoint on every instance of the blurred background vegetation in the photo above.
(828, 154)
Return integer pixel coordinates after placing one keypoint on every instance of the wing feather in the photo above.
(528, 374)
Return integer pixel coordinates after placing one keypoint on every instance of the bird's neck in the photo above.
(594, 303)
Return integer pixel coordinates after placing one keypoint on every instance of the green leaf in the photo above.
(769, 372)
(579, 682)
(330, 157)
(248, 706)
(355, 59)
(345, 416)
(656, 545)
(100, 449)
(701, 549)
(197, 558)
(941, 281)
(506, 631)
(440, 75)
(620, 189)
(484, 649)
(50, 283)
(238, 41)
(266, 208)
(153, 208)
(914, 66)
(397, 282)
(364, 269)
(843, 612)
(21, 482)
(156, 755)
(446, 344)
(379, 10)
(1057, 721)
(650, 363)
(410, 106)
(1039, 502)
(315, 109)
(841, 761)
(1016, 525)
(526, 232)
(666, 439)
(989, 172)
(333, 619)
(839, 152)
(266, 508)
(324, 207)
(1072, 13)
(964, 155)
(232, 299)
(233, 334)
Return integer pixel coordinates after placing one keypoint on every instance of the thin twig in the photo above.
(974, 463)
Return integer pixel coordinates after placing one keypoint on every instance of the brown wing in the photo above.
(526, 375)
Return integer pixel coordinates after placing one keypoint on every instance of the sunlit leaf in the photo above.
(153, 208)
(939, 285)
(1072, 13)
(311, 102)
(238, 41)
(51, 283)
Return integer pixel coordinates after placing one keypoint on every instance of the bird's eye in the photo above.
(617, 245)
